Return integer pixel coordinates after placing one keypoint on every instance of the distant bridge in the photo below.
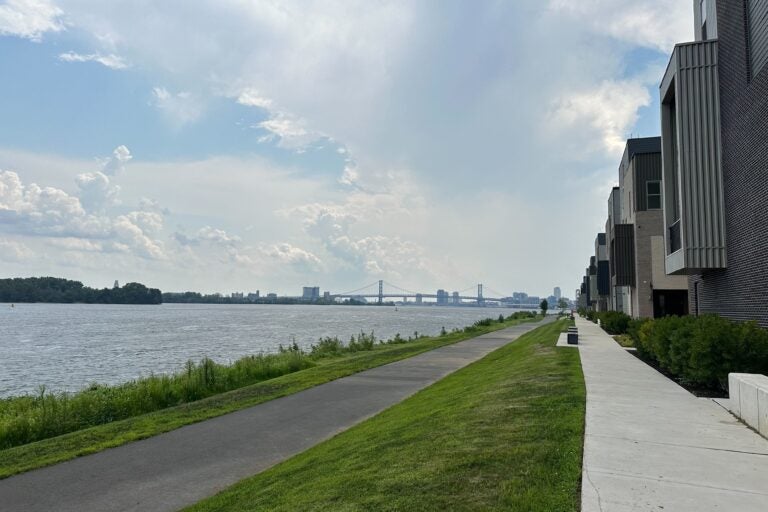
(377, 291)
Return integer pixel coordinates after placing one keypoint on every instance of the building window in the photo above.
(703, 12)
(654, 195)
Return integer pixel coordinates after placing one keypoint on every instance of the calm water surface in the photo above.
(68, 346)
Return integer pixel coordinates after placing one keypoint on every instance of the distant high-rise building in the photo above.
(237, 295)
(311, 293)
(327, 296)
(253, 297)
(419, 299)
(558, 294)
(456, 299)
(442, 297)
(117, 285)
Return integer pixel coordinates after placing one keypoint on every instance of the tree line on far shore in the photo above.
(54, 289)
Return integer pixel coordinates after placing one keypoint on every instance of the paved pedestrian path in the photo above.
(652, 446)
(181, 467)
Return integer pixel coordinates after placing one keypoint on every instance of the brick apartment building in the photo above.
(714, 106)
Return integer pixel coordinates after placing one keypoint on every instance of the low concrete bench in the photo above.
(573, 336)
(748, 397)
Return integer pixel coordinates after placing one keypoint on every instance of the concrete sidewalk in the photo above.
(181, 467)
(652, 446)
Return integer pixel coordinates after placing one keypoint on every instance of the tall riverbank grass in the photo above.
(31, 418)
(504, 433)
(47, 428)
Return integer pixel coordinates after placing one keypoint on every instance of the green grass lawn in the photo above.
(504, 433)
(95, 439)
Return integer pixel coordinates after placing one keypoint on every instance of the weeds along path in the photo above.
(181, 467)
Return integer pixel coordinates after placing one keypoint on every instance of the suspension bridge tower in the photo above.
(381, 292)
(480, 299)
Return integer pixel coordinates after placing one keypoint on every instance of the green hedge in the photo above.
(614, 322)
(703, 350)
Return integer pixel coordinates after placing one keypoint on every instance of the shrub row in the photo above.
(703, 350)
(700, 351)
(614, 322)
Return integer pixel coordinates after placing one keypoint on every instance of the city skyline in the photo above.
(210, 164)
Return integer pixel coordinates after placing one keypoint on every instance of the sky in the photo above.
(242, 145)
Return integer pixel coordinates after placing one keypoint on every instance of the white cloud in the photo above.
(149, 222)
(76, 244)
(289, 131)
(350, 176)
(48, 212)
(210, 235)
(657, 24)
(12, 251)
(45, 211)
(365, 233)
(117, 162)
(96, 191)
(127, 229)
(610, 109)
(111, 60)
(252, 98)
(180, 108)
(295, 256)
(30, 19)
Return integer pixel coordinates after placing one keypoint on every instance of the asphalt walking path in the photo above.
(650, 445)
(181, 467)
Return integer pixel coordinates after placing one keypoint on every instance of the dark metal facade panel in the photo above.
(692, 145)
(603, 278)
(758, 35)
(643, 145)
(639, 146)
(647, 168)
(623, 255)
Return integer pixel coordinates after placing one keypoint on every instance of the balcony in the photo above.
(694, 213)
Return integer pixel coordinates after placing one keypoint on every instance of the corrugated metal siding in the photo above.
(624, 254)
(758, 34)
(642, 145)
(700, 182)
(647, 168)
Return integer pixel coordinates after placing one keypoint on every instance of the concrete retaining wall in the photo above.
(748, 396)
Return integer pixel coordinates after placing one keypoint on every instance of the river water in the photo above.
(68, 346)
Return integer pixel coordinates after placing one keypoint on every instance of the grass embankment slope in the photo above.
(504, 433)
(95, 439)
